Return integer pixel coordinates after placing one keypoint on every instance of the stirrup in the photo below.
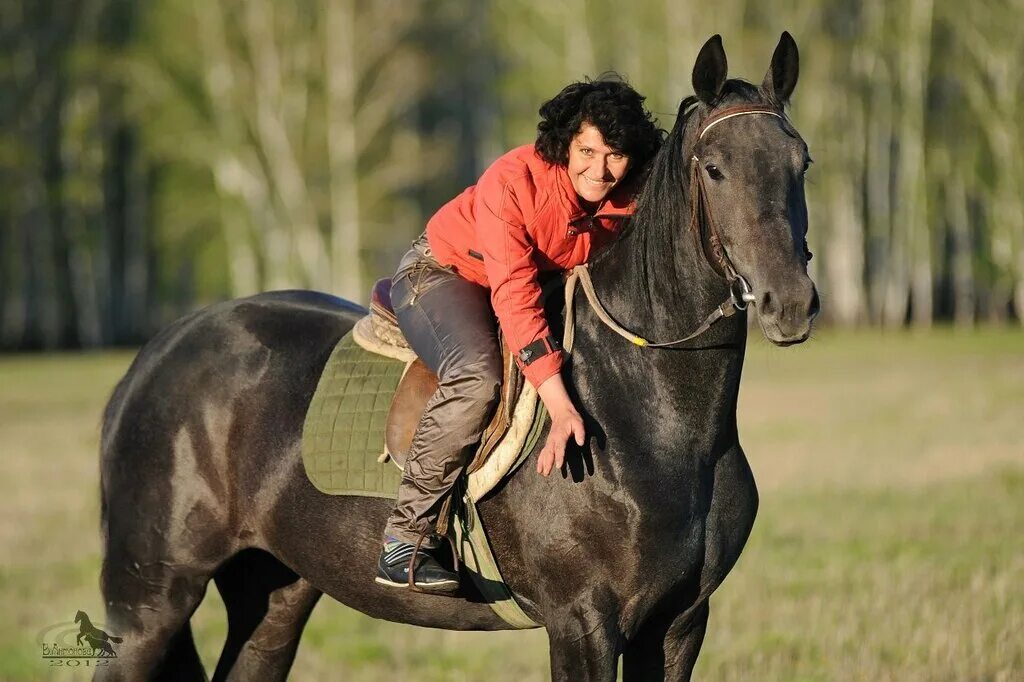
(415, 552)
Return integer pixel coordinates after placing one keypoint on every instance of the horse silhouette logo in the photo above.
(97, 639)
(77, 644)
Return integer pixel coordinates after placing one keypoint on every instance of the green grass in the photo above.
(888, 545)
(923, 584)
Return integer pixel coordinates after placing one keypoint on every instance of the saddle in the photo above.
(378, 332)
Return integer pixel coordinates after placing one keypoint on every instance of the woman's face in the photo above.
(594, 167)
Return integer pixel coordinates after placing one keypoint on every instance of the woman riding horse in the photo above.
(546, 206)
(201, 472)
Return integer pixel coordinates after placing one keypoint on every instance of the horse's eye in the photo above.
(713, 172)
(807, 166)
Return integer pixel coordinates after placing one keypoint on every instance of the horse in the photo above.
(202, 479)
(92, 633)
(104, 647)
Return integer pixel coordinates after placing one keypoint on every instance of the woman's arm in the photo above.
(515, 297)
(508, 252)
(565, 422)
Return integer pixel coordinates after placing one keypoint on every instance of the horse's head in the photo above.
(80, 616)
(747, 165)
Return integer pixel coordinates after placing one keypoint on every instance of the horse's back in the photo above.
(231, 333)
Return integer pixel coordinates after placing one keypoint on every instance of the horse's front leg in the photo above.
(583, 650)
(666, 648)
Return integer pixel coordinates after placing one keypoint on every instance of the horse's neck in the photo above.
(656, 281)
(659, 286)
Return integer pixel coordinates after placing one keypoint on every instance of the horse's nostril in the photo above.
(815, 305)
(765, 301)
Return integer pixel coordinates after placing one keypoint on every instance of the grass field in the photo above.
(889, 544)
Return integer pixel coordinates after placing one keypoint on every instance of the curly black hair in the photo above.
(609, 104)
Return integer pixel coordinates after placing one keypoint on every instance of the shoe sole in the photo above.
(443, 587)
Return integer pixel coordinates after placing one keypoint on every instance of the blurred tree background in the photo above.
(157, 156)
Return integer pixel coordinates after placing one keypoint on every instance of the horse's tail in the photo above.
(115, 640)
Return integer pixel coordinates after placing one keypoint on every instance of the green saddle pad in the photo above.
(343, 435)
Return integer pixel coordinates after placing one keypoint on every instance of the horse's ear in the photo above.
(710, 70)
(780, 81)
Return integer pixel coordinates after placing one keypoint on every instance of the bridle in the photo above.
(702, 225)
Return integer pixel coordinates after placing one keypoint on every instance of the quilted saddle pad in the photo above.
(343, 435)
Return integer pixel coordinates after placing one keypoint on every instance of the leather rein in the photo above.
(702, 225)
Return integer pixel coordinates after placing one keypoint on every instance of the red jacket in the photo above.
(523, 216)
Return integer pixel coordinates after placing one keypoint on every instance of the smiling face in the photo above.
(594, 167)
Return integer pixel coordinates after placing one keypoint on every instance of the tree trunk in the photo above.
(915, 68)
(341, 80)
(960, 245)
(844, 257)
(136, 218)
(16, 273)
(282, 165)
(882, 248)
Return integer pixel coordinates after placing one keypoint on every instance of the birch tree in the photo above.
(298, 100)
(994, 91)
(911, 212)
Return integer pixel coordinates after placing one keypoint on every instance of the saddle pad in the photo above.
(343, 435)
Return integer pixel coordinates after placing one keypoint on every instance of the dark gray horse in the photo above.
(202, 477)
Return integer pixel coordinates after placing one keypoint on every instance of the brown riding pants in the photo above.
(450, 324)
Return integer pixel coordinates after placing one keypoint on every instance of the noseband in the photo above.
(702, 224)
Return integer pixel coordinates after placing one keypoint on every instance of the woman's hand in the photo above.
(565, 422)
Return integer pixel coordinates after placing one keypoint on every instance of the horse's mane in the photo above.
(661, 198)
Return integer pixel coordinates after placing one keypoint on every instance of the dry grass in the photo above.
(888, 546)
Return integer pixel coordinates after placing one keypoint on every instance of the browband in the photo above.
(737, 111)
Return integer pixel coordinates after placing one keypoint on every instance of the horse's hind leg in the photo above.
(583, 649)
(182, 660)
(268, 606)
(149, 607)
(666, 648)
(163, 541)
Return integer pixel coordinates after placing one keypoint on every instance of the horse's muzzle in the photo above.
(786, 318)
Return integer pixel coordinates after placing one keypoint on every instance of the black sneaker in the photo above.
(431, 576)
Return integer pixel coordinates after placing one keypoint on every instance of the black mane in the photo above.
(661, 199)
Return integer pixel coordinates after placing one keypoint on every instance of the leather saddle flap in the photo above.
(417, 386)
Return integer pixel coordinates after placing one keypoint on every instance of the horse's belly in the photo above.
(334, 542)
